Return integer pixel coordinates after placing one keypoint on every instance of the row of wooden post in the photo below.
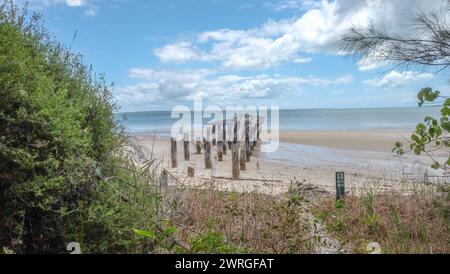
(240, 154)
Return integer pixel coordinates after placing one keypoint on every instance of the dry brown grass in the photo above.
(206, 220)
(416, 223)
(250, 223)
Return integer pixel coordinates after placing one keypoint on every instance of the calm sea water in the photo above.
(302, 119)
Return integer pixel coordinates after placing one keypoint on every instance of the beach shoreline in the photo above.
(356, 140)
(359, 140)
(312, 158)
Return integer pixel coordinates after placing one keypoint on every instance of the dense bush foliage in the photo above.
(58, 135)
(433, 135)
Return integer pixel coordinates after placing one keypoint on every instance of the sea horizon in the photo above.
(287, 108)
(344, 119)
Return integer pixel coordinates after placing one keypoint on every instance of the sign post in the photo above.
(340, 185)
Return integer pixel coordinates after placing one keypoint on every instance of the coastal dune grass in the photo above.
(246, 222)
(401, 223)
(135, 213)
(206, 220)
(153, 218)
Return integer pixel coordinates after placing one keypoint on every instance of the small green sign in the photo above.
(340, 185)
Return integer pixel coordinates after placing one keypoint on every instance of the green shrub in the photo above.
(213, 242)
(57, 135)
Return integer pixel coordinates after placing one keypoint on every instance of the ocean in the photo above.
(301, 119)
(311, 156)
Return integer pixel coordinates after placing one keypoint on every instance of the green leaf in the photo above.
(446, 126)
(447, 102)
(427, 95)
(170, 231)
(146, 234)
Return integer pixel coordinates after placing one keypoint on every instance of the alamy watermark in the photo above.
(228, 124)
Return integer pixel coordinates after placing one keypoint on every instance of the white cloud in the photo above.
(371, 63)
(92, 11)
(175, 86)
(90, 8)
(75, 3)
(292, 4)
(178, 52)
(319, 29)
(396, 79)
(181, 76)
(345, 79)
(46, 3)
(136, 94)
(302, 60)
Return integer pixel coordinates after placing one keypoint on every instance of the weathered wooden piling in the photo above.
(187, 157)
(236, 136)
(220, 151)
(164, 179)
(247, 138)
(224, 148)
(253, 141)
(207, 148)
(224, 137)
(213, 132)
(198, 147)
(235, 161)
(257, 128)
(173, 152)
(243, 159)
(230, 129)
(254, 137)
(191, 171)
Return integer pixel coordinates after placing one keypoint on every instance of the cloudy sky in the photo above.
(161, 53)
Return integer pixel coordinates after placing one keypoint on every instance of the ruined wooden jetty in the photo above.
(240, 135)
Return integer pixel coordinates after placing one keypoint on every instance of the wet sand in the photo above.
(350, 140)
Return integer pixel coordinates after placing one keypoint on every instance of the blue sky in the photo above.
(162, 53)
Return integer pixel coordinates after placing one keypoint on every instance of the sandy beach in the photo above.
(312, 158)
(380, 141)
